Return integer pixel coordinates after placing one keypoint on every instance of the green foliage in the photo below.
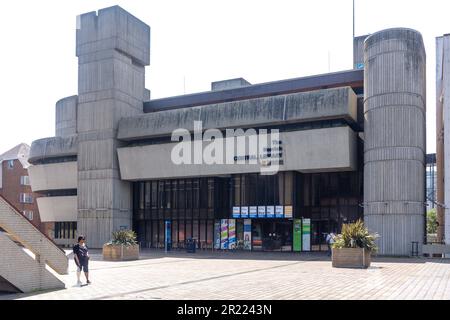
(356, 235)
(431, 221)
(124, 237)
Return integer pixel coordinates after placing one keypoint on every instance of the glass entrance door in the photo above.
(277, 235)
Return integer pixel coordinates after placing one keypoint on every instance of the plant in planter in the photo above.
(123, 246)
(354, 246)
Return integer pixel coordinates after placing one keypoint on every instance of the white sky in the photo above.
(194, 43)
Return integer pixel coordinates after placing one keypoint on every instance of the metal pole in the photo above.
(353, 21)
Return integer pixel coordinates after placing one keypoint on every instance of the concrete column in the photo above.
(66, 117)
(395, 138)
(440, 163)
(444, 97)
(113, 48)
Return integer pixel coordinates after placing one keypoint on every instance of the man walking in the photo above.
(330, 241)
(81, 257)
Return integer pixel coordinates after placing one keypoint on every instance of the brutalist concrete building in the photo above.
(351, 145)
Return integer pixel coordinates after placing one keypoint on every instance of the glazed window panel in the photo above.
(154, 194)
(288, 188)
(147, 188)
(237, 190)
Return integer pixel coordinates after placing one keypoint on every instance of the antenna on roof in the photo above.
(353, 20)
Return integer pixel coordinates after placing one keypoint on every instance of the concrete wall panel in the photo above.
(395, 137)
(53, 176)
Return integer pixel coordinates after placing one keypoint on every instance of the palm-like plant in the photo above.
(124, 237)
(356, 235)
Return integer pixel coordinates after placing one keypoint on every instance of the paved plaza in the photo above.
(240, 275)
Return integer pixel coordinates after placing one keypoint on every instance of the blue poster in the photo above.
(261, 212)
(236, 212)
(279, 212)
(247, 234)
(270, 212)
(244, 212)
(217, 234)
(168, 238)
(253, 212)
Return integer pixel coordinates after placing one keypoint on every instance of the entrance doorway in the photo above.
(272, 235)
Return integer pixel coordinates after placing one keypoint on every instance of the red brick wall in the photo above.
(11, 189)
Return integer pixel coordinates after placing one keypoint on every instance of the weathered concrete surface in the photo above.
(283, 109)
(443, 135)
(229, 84)
(53, 147)
(53, 176)
(19, 268)
(319, 150)
(24, 272)
(113, 48)
(394, 149)
(358, 52)
(58, 209)
(66, 116)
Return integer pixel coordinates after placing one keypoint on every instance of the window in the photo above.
(28, 215)
(26, 198)
(65, 230)
(25, 180)
(10, 164)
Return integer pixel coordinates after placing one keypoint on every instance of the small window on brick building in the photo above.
(26, 198)
(28, 215)
(25, 180)
(10, 164)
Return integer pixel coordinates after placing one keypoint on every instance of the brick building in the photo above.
(15, 183)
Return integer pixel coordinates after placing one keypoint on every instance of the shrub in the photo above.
(356, 235)
(123, 237)
(431, 221)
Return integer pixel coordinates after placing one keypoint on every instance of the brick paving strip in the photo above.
(243, 275)
(196, 281)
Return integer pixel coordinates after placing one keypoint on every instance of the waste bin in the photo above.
(190, 245)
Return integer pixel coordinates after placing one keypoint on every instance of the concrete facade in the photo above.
(275, 110)
(58, 209)
(320, 143)
(113, 49)
(229, 84)
(443, 136)
(394, 149)
(114, 135)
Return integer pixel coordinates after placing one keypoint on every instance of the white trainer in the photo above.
(79, 283)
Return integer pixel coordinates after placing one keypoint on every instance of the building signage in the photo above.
(261, 212)
(306, 234)
(217, 235)
(247, 234)
(236, 212)
(270, 211)
(244, 212)
(253, 212)
(279, 212)
(231, 234)
(288, 212)
(224, 234)
(297, 236)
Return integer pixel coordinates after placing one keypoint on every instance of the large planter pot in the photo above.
(351, 258)
(120, 252)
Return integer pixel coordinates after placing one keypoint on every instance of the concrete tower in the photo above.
(113, 48)
(394, 149)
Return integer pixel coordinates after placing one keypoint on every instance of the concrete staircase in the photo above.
(27, 255)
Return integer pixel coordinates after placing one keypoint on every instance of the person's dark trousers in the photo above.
(329, 250)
